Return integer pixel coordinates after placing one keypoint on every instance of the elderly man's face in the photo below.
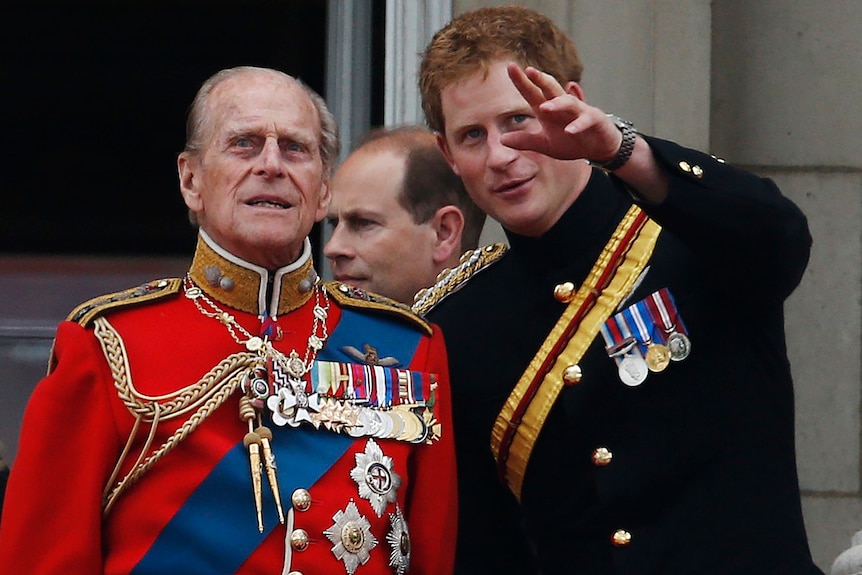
(258, 185)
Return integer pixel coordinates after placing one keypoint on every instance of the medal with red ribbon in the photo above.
(646, 336)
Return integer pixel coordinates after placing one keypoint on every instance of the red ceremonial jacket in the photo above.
(137, 451)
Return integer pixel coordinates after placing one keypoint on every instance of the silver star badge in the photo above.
(351, 538)
(378, 482)
(399, 541)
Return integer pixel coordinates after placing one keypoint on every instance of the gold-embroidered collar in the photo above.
(244, 286)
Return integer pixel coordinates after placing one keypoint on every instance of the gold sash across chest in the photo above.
(611, 279)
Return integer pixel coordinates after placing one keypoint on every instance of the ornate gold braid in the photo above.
(206, 396)
(449, 280)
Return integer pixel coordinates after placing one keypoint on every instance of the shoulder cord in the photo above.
(206, 395)
(449, 280)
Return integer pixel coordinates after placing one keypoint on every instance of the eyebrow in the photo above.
(251, 129)
(360, 213)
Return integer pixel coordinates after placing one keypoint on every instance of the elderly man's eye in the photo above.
(294, 147)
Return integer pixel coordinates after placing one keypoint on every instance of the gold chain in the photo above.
(295, 365)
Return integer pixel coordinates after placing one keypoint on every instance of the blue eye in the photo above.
(473, 134)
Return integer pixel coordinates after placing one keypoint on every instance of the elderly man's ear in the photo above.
(324, 199)
(191, 195)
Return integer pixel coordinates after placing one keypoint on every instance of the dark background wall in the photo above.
(96, 95)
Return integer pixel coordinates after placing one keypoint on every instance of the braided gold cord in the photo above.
(204, 396)
(179, 435)
(174, 404)
(449, 280)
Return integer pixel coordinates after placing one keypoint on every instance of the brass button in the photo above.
(564, 292)
(621, 538)
(602, 456)
(572, 374)
(301, 499)
(299, 540)
(685, 166)
(697, 171)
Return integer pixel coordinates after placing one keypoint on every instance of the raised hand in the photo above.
(571, 129)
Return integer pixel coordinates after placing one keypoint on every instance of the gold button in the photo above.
(621, 538)
(572, 375)
(697, 171)
(301, 499)
(685, 166)
(299, 540)
(564, 292)
(602, 456)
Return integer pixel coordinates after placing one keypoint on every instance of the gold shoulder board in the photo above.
(449, 281)
(349, 296)
(85, 313)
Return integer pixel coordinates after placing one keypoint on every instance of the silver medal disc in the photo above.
(633, 370)
(679, 346)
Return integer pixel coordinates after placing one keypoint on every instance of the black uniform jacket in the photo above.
(702, 474)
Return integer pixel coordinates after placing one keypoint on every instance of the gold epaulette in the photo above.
(349, 296)
(449, 281)
(85, 313)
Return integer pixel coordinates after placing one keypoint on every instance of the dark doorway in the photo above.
(95, 101)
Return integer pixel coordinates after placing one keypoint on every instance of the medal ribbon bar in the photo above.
(373, 385)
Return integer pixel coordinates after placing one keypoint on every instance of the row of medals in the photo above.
(634, 367)
(290, 404)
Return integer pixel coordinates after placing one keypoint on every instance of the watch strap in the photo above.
(626, 148)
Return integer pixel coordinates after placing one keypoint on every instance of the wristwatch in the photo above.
(626, 147)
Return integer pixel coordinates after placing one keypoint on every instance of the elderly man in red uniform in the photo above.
(246, 418)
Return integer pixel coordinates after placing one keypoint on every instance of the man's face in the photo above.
(375, 245)
(258, 185)
(526, 192)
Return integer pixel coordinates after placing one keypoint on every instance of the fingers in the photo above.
(549, 85)
(528, 89)
(589, 119)
(534, 85)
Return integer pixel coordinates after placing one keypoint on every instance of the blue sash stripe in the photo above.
(215, 531)
(389, 338)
